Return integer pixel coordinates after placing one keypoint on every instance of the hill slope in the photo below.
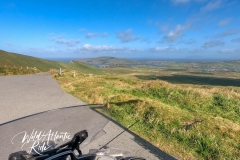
(18, 60)
(9, 59)
(107, 61)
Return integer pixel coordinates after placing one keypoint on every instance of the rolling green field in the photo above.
(191, 115)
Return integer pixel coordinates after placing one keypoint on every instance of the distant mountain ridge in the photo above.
(111, 61)
(107, 60)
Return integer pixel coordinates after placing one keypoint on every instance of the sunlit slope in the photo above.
(18, 60)
(82, 67)
(8, 59)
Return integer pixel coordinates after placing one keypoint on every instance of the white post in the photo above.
(74, 74)
(60, 72)
(27, 67)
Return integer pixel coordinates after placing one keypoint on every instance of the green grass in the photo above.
(12, 59)
(17, 71)
(18, 61)
(189, 122)
(187, 65)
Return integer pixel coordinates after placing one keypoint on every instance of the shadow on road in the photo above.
(40, 113)
(188, 79)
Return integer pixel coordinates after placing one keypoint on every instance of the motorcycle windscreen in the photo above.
(48, 130)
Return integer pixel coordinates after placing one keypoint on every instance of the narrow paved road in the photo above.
(23, 96)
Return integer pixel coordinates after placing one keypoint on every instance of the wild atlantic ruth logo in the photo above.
(40, 141)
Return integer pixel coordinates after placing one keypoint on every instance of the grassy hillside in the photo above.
(17, 62)
(189, 121)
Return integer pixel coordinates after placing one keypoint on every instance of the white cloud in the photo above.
(211, 44)
(127, 36)
(8, 43)
(165, 49)
(160, 49)
(190, 41)
(185, 41)
(100, 48)
(230, 51)
(147, 40)
(91, 35)
(135, 49)
(82, 29)
(227, 33)
(88, 48)
(44, 50)
(180, 1)
(235, 40)
(186, 1)
(163, 28)
(105, 34)
(176, 33)
(212, 5)
(224, 22)
(200, 0)
(70, 42)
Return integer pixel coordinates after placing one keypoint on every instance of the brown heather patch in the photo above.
(226, 125)
(229, 91)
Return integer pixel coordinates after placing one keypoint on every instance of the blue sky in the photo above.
(150, 29)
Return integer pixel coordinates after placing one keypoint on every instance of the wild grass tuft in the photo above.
(17, 71)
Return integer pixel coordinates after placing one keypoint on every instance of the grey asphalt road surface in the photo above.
(30, 106)
(28, 94)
